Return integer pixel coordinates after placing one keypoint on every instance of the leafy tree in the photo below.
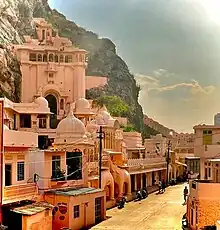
(115, 105)
(129, 128)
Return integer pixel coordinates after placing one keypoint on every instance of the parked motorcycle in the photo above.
(139, 195)
(121, 203)
(144, 194)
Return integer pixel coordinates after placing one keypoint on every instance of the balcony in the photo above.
(146, 161)
(15, 193)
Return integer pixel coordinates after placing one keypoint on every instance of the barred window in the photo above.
(76, 211)
(20, 171)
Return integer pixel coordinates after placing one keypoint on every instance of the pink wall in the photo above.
(132, 139)
(95, 81)
(20, 139)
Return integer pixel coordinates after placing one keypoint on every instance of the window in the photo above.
(55, 166)
(42, 121)
(43, 34)
(207, 137)
(32, 57)
(44, 58)
(209, 172)
(20, 171)
(25, 120)
(62, 104)
(61, 58)
(68, 58)
(56, 58)
(39, 58)
(51, 57)
(76, 211)
(98, 209)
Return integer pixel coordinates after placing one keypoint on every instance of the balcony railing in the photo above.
(147, 161)
(19, 192)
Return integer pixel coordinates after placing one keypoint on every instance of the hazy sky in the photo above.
(172, 46)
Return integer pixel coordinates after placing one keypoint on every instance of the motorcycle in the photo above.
(139, 196)
(144, 194)
(121, 203)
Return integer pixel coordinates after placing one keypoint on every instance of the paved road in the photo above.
(157, 212)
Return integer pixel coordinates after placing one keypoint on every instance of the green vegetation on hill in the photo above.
(115, 105)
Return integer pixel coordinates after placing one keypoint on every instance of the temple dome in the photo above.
(42, 102)
(83, 104)
(71, 124)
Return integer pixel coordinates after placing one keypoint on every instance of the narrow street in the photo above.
(157, 212)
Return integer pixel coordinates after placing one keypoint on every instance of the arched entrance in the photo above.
(52, 101)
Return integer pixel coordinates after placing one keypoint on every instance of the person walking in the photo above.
(185, 193)
(163, 186)
(160, 186)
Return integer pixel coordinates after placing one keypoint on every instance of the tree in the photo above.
(115, 105)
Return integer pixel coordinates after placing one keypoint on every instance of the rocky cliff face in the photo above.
(15, 21)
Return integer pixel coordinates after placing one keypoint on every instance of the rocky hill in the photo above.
(15, 21)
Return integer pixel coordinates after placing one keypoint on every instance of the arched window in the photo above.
(39, 57)
(61, 58)
(62, 104)
(32, 57)
(44, 58)
(56, 58)
(70, 59)
(51, 57)
(66, 59)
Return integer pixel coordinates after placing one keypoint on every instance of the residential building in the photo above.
(146, 168)
(202, 205)
(20, 197)
(63, 178)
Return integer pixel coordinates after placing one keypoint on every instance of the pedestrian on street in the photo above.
(160, 186)
(185, 193)
(163, 186)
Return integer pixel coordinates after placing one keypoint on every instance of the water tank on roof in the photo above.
(217, 119)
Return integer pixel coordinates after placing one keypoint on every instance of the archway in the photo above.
(52, 101)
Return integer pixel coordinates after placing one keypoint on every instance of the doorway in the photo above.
(8, 216)
(52, 102)
(8, 174)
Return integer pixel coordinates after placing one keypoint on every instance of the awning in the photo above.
(180, 163)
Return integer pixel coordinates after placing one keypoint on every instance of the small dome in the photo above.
(71, 124)
(82, 103)
(42, 102)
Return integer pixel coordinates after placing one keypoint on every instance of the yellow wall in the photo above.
(39, 221)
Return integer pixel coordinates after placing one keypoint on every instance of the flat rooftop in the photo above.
(74, 191)
(32, 209)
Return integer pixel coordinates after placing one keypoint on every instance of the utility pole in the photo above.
(100, 136)
(168, 161)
